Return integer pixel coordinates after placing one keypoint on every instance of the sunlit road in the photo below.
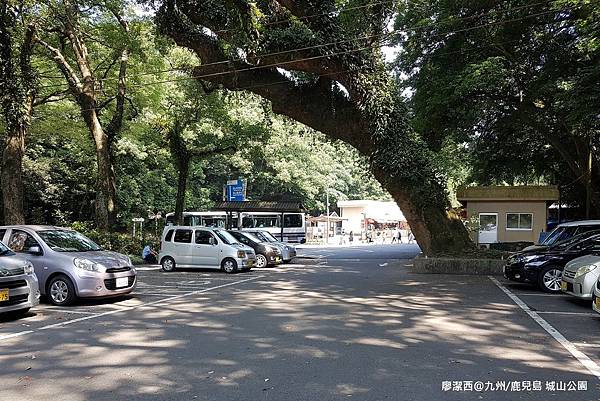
(347, 324)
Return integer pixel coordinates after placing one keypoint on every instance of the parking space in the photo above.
(328, 328)
(153, 287)
(574, 319)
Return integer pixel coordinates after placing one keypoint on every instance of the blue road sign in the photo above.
(236, 190)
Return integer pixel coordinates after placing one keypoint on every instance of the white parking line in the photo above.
(569, 313)
(569, 346)
(64, 310)
(112, 312)
(533, 294)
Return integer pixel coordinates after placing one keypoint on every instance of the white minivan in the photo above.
(203, 247)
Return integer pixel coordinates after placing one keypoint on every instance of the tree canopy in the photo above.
(115, 109)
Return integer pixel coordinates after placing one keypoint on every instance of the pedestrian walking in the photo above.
(351, 237)
(394, 235)
(399, 234)
(411, 237)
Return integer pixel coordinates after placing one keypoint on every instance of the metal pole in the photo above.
(327, 230)
(282, 224)
(588, 182)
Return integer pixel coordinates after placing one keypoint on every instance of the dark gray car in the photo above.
(68, 264)
(266, 254)
(288, 252)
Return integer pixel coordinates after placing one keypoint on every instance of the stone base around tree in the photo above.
(457, 266)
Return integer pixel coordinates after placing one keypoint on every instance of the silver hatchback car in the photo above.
(19, 289)
(70, 265)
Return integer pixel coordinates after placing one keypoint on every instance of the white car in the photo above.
(596, 297)
(19, 288)
(580, 276)
(203, 247)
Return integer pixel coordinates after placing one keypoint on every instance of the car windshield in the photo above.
(226, 237)
(269, 236)
(559, 234)
(253, 237)
(68, 241)
(260, 235)
(4, 250)
(575, 239)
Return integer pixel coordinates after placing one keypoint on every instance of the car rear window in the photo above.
(169, 235)
(184, 236)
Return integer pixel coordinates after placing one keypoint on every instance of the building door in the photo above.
(488, 228)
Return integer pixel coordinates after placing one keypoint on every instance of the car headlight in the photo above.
(583, 270)
(28, 268)
(529, 258)
(88, 265)
(241, 254)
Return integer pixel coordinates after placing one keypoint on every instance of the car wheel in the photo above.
(61, 291)
(229, 266)
(261, 260)
(168, 264)
(549, 279)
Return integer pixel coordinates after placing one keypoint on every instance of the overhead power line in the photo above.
(382, 35)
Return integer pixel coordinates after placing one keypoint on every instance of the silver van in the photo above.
(69, 265)
(19, 290)
(203, 247)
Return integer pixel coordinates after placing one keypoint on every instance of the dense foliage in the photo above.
(513, 84)
(293, 162)
(297, 98)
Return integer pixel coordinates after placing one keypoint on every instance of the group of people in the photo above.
(379, 236)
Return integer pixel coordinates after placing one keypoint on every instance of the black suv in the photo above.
(543, 266)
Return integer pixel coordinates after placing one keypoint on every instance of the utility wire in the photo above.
(384, 34)
(291, 82)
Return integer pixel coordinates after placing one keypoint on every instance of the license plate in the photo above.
(563, 285)
(597, 303)
(277, 258)
(122, 282)
(3, 294)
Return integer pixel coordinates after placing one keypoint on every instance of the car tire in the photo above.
(261, 261)
(549, 279)
(61, 291)
(168, 264)
(229, 266)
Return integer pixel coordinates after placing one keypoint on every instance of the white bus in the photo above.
(294, 229)
(204, 219)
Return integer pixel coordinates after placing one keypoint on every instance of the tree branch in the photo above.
(64, 66)
(51, 97)
(116, 122)
(203, 154)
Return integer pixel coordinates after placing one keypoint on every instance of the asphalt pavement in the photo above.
(340, 324)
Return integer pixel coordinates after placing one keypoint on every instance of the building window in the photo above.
(519, 221)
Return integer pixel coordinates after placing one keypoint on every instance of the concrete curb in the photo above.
(483, 267)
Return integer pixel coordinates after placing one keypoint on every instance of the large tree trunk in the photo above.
(436, 230)
(106, 195)
(82, 84)
(369, 114)
(17, 93)
(12, 167)
(183, 166)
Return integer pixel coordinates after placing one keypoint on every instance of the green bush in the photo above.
(118, 241)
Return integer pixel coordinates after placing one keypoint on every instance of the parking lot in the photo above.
(348, 323)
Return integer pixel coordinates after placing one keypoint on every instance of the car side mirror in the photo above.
(35, 250)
